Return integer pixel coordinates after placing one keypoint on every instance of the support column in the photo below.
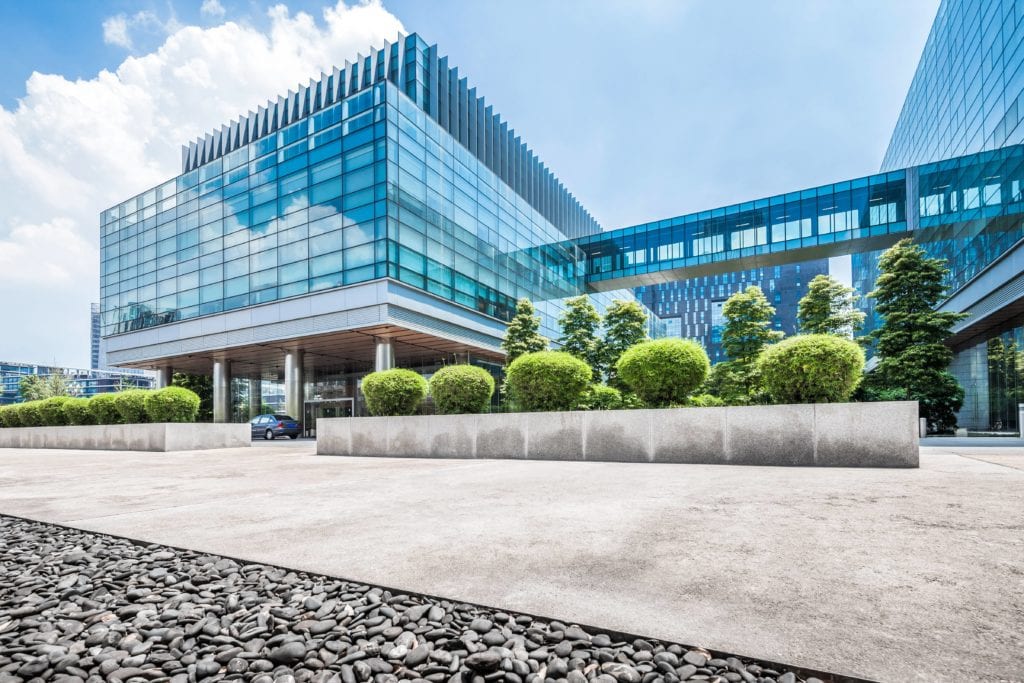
(164, 376)
(385, 357)
(221, 390)
(293, 385)
(255, 398)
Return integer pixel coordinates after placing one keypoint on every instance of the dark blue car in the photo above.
(273, 426)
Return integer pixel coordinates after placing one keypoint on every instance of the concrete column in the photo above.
(221, 391)
(255, 398)
(293, 384)
(385, 357)
(164, 376)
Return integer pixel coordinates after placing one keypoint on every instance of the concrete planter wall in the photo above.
(825, 435)
(164, 436)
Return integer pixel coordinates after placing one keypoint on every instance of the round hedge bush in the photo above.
(811, 368)
(547, 380)
(461, 389)
(30, 414)
(131, 405)
(600, 397)
(394, 392)
(78, 412)
(9, 416)
(664, 372)
(104, 410)
(172, 404)
(52, 410)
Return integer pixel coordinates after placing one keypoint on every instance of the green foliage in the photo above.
(547, 380)
(39, 387)
(747, 330)
(394, 392)
(729, 381)
(33, 388)
(580, 323)
(600, 397)
(201, 386)
(461, 389)
(104, 409)
(78, 412)
(664, 372)
(522, 335)
(131, 405)
(910, 343)
(9, 416)
(625, 325)
(172, 404)
(829, 308)
(812, 368)
(52, 411)
(30, 414)
(704, 401)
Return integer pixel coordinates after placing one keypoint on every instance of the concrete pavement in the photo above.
(889, 574)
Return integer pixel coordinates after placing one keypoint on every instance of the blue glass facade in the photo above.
(312, 193)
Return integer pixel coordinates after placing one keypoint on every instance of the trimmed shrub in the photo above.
(8, 416)
(461, 389)
(131, 405)
(78, 412)
(547, 380)
(104, 410)
(704, 401)
(172, 404)
(52, 410)
(664, 372)
(811, 368)
(30, 414)
(600, 397)
(394, 392)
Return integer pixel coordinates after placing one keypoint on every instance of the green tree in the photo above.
(59, 384)
(828, 307)
(202, 386)
(33, 388)
(625, 325)
(747, 330)
(580, 323)
(910, 343)
(522, 335)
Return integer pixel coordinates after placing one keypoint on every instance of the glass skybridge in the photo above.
(967, 210)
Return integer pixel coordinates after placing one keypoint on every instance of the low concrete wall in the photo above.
(164, 436)
(823, 435)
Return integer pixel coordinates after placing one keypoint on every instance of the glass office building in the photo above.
(382, 214)
(967, 96)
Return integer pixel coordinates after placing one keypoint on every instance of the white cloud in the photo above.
(212, 9)
(118, 29)
(115, 31)
(72, 148)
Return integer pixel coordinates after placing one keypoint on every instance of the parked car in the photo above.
(273, 426)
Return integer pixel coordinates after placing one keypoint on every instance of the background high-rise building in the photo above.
(95, 338)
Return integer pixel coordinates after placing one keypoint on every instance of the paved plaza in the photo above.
(887, 574)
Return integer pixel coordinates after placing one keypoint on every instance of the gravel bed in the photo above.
(81, 607)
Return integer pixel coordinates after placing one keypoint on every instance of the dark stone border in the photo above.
(467, 671)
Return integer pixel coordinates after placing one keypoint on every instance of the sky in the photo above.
(644, 109)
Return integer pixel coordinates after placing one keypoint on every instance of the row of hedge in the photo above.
(662, 373)
(171, 404)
